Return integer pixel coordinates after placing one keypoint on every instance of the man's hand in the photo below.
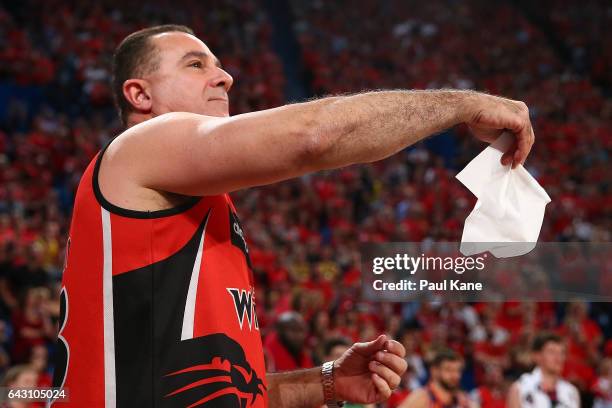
(489, 116)
(369, 372)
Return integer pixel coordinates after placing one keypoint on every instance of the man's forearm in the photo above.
(295, 389)
(371, 126)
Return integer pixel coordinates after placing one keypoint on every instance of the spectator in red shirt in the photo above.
(39, 361)
(583, 340)
(490, 344)
(31, 324)
(285, 348)
(584, 334)
(492, 394)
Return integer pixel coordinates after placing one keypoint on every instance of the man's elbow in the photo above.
(312, 152)
(322, 128)
(313, 143)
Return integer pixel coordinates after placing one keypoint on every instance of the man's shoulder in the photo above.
(569, 386)
(126, 147)
(527, 377)
(569, 393)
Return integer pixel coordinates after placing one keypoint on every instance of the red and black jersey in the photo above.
(158, 308)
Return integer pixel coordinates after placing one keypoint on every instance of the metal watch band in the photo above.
(327, 379)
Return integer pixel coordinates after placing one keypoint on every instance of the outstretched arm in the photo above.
(367, 372)
(192, 154)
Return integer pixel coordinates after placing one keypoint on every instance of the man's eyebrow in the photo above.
(200, 54)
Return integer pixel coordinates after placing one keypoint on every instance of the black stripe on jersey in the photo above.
(191, 201)
(62, 351)
(154, 368)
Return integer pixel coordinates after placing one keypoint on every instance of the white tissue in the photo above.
(508, 215)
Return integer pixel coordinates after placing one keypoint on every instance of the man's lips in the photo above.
(218, 99)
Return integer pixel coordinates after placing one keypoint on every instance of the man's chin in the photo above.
(216, 108)
(448, 387)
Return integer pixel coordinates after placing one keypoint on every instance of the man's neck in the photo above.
(137, 118)
(549, 380)
(442, 394)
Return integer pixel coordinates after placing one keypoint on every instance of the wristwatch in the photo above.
(327, 379)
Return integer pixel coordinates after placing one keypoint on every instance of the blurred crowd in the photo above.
(584, 28)
(305, 233)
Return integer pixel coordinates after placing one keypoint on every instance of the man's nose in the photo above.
(223, 79)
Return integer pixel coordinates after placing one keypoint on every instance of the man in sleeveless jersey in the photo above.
(158, 300)
(544, 387)
(443, 389)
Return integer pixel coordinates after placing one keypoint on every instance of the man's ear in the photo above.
(137, 92)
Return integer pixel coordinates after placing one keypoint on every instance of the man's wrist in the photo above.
(329, 385)
(298, 388)
(465, 103)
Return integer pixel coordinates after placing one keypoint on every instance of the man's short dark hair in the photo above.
(443, 355)
(542, 339)
(136, 56)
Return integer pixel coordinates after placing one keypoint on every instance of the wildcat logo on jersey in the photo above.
(244, 302)
(210, 371)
